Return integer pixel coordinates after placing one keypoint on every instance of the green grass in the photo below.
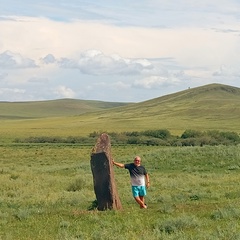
(46, 192)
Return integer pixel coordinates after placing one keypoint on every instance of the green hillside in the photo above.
(213, 106)
(210, 107)
(214, 101)
(52, 108)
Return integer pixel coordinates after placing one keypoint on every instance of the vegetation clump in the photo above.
(177, 224)
(158, 137)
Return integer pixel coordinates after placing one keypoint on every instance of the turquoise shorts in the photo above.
(139, 191)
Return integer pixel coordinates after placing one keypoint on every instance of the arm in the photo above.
(121, 165)
(147, 180)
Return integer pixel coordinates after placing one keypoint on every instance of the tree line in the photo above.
(158, 137)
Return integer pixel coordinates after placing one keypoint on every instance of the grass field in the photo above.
(46, 192)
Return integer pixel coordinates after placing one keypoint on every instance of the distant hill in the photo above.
(213, 106)
(209, 101)
(52, 108)
(209, 107)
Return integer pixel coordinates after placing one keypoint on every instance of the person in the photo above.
(139, 179)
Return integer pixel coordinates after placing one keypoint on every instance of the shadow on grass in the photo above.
(93, 206)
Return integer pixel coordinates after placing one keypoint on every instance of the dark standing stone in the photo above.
(103, 175)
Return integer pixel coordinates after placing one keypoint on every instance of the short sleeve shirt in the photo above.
(137, 174)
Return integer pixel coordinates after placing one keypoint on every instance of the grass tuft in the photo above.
(228, 212)
(22, 214)
(77, 185)
(178, 224)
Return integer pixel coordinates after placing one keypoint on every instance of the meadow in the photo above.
(46, 192)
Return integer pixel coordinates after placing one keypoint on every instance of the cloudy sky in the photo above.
(119, 51)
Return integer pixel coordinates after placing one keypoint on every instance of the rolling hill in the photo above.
(213, 101)
(209, 107)
(213, 106)
(52, 108)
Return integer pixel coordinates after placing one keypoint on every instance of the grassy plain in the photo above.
(46, 192)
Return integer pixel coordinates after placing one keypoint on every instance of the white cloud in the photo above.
(154, 82)
(94, 62)
(11, 90)
(226, 71)
(11, 94)
(38, 80)
(124, 48)
(64, 92)
(14, 60)
(121, 85)
(48, 59)
(39, 37)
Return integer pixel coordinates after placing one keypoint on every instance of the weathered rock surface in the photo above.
(103, 175)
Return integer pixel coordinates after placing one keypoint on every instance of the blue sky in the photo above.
(127, 51)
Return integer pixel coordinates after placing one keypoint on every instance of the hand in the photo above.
(148, 184)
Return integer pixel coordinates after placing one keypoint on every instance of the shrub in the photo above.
(132, 134)
(191, 134)
(133, 140)
(232, 136)
(190, 142)
(160, 133)
(159, 137)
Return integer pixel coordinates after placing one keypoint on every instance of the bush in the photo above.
(191, 142)
(132, 134)
(232, 136)
(133, 140)
(161, 133)
(158, 137)
(191, 134)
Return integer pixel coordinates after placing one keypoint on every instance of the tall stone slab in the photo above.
(103, 175)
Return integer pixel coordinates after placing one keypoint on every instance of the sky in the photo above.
(116, 51)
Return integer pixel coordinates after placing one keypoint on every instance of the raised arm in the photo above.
(121, 165)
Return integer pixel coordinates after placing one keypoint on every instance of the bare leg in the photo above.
(140, 201)
(143, 200)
